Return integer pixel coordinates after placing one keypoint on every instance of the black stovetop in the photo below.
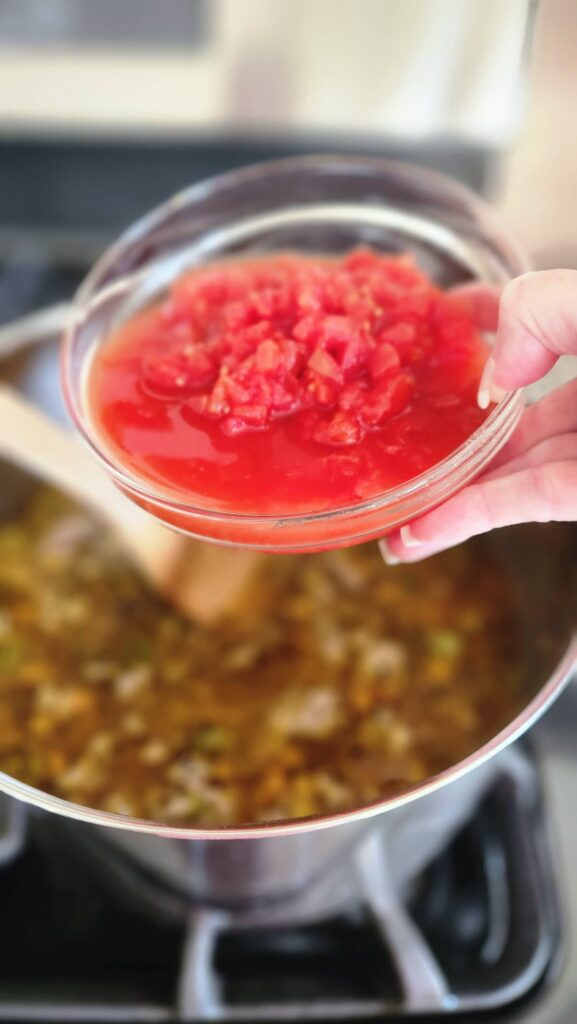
(85, 943)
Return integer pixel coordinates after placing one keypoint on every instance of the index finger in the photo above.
(538, 493)
(537, 324)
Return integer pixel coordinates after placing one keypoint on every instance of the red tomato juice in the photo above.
(290, 384)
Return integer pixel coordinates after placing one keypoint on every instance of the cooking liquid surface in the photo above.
(336, 682)
(291, 384)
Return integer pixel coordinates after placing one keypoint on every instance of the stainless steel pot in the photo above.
(246, 866)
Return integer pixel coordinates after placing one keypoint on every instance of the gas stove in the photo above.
(92, 938)
(487, 929)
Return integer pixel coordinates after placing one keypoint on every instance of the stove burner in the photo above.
(92, 940)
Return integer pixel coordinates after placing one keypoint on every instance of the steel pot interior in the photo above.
(540, 560)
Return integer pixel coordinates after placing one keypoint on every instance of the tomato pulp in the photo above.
(289, 384)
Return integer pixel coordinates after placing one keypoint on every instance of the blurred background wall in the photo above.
(401, 68)
(538, 181)
(152, 95)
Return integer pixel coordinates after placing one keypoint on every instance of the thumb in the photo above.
(537, 324)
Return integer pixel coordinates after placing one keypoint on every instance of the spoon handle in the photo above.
(202, 580)
(34, 441)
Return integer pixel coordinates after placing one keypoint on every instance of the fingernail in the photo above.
(488, 390)
(484, 394)
(497, 393)
(408, 538)
(387, 554)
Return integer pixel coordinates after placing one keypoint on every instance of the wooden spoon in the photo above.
(202, 580)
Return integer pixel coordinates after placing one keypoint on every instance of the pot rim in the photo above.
(536, 707)
(532, 711)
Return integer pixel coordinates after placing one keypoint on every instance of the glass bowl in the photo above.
(329, 205)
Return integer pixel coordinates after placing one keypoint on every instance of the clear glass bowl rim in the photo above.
(503, 411)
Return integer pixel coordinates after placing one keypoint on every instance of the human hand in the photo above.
(534, 478)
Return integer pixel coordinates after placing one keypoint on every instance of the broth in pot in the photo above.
(336, 683)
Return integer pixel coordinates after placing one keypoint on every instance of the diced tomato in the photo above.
(283, 397)
(322, 363)
(341, 430)
(361, 259)
(323, 392)
(388, 398)
(241, 376)
(337, 332)
(269, 357)
(233, 425)
(178, 371)
(400, 335)
(253, 415)
(383, 360)
(408, 341)
(293, 354)
(352, 396)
